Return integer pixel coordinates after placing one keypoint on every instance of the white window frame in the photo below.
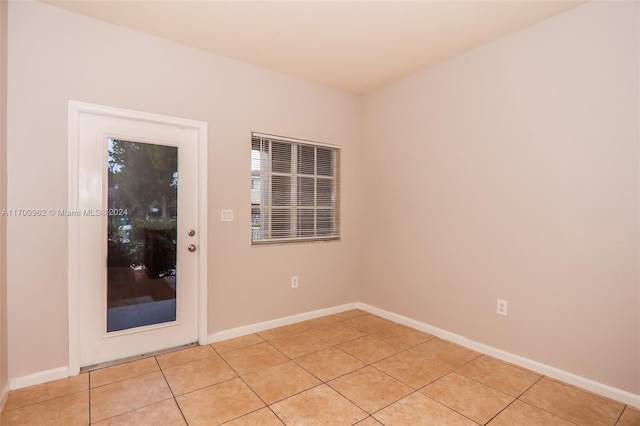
(294, 230)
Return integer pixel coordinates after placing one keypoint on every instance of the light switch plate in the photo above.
(226, 215)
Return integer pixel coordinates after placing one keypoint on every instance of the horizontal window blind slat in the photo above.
(295, 190)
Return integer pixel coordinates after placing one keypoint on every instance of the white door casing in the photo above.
(89, 127)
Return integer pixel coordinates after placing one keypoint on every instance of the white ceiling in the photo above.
(352, 45)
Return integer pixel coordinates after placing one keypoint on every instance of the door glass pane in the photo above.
(142, 231)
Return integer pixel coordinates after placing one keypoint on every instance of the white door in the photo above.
(137, 234)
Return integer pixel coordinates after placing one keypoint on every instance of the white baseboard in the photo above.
(625, 397)
(279, 322)
(63, 372)
(4, 395)
(39, 377)
(547, 370)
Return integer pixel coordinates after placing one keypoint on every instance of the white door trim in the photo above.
(76, 109)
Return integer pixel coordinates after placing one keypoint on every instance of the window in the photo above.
(295, 189)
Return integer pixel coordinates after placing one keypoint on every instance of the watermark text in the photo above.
(63, 212)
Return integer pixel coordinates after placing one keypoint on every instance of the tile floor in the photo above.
(343, 369)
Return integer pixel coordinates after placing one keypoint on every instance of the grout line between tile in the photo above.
(365, 363)
(498, 413)
(621, 413)
(549, 412)
(259, 397)
(124, 380)
(139, 408)
(450, 408)
(276, 414)
(484, 384)
(171, 390)
(532, 385)
(517, 398)
(540, 408)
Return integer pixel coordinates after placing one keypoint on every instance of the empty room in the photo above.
(319, 212)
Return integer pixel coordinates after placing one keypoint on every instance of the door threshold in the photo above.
(135, 357)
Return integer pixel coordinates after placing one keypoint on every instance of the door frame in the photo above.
(76, 109)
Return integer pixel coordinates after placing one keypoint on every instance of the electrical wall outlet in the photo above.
(294, 282)
(502, 307)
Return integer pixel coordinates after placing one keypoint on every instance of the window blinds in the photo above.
(295, 190)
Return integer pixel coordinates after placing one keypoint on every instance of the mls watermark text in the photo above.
(63, 212)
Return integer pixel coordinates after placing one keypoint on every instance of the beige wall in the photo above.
(508, 172)
(511, 172)
(4, 378)
(55, 56)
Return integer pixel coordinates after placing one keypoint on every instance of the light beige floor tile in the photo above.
(345, 315)
(68, 410)
(500, 375)
(402, 337)
(218, 403)
(46, 391)
(418, 409)
(317, 322)
(280, 381)
(254, 358)
(368, 349)
(210, 392)
(262, 417)
(318, 406)
(276, 333)
(370, 389)
(237, 343)
(128, 395)
(522, 414)
(299, 344)
(329, 363)
(367, 323)
(474, 400)
(630, 417)
(165, 413)
(369, 421)
(183, 356)
(413, 369)
(107, 375)
(449, 354)
(337, 333)
(198, 374)
(573, 404)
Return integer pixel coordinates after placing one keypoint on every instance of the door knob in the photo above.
(191, 247)
(191, 232)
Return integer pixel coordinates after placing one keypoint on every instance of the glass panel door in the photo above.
(142, 275)
(136, 271)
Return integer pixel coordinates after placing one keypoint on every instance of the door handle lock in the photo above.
(191, 247)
